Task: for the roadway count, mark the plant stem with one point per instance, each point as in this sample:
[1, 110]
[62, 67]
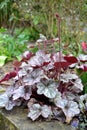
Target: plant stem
[58, 24]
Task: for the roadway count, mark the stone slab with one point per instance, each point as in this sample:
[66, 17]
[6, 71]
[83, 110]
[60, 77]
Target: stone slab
[17, 120]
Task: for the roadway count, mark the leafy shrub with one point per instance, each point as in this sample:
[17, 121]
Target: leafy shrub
[12, 46]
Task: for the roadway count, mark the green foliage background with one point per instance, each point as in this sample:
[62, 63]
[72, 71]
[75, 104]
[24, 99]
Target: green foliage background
[38, 16]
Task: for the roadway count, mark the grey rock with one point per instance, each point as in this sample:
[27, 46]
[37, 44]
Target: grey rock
[17, 120]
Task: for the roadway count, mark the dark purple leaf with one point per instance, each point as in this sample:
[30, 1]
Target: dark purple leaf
[71, 59]
[9, 76]
[60, 65]
[27, 56]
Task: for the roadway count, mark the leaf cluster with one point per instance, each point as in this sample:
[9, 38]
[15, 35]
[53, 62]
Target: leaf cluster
[12, 46]
[48, 84]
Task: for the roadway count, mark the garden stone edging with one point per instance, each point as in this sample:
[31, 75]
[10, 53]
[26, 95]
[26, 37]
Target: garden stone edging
[17, 120]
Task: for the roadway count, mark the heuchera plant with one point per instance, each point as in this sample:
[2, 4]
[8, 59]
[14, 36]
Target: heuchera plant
[49, 86]
[48, 83]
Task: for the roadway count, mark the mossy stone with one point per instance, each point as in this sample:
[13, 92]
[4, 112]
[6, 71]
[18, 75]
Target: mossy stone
[17, 120]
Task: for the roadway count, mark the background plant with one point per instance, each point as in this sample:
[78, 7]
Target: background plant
[12, 46]
[40, 15]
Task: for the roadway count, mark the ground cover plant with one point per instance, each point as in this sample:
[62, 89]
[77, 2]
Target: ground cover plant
[12, 46]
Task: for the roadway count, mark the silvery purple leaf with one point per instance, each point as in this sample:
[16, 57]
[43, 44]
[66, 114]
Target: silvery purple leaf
[69, 95]
[83, 97]
[31, 102]
[18, 93]
[48, 67]
[83, 102]
[22, 73]
[82, 57]
[26, 67]
[86, 105]
[77, 86]
[56, 98]
[67, 77]
[9, 105]
[25, 53]
[82, 67]
[58, 114]
[39, 59]
[17, 102]
[58, 57]
[46, 111]
[3, 99]
[70, 108]
[48, 88]
[24, 70]
[27, 92]
[10, 90]
[72, 65]
[33, 77]
[36, 110]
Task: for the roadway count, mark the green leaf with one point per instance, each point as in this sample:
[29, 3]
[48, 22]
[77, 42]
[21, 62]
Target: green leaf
[2, 90]
[34, 50]
[19, 57]
[3, 30]
[2, 60]
[35, 21]
[84, 79]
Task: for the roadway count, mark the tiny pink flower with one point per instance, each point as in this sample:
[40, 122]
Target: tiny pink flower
[84, 46]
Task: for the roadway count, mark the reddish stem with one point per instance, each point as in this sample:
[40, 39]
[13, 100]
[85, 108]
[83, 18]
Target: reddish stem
[59, 30]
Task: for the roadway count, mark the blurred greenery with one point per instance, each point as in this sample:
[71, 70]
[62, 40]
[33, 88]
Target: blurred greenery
[23, 20]
[83, 76]
[12, 46]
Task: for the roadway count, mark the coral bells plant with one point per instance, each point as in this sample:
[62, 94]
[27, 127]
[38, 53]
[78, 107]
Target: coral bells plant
[49, 87]
[49, 84]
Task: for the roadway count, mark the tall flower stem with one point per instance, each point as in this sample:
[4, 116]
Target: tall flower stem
[59, 42]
